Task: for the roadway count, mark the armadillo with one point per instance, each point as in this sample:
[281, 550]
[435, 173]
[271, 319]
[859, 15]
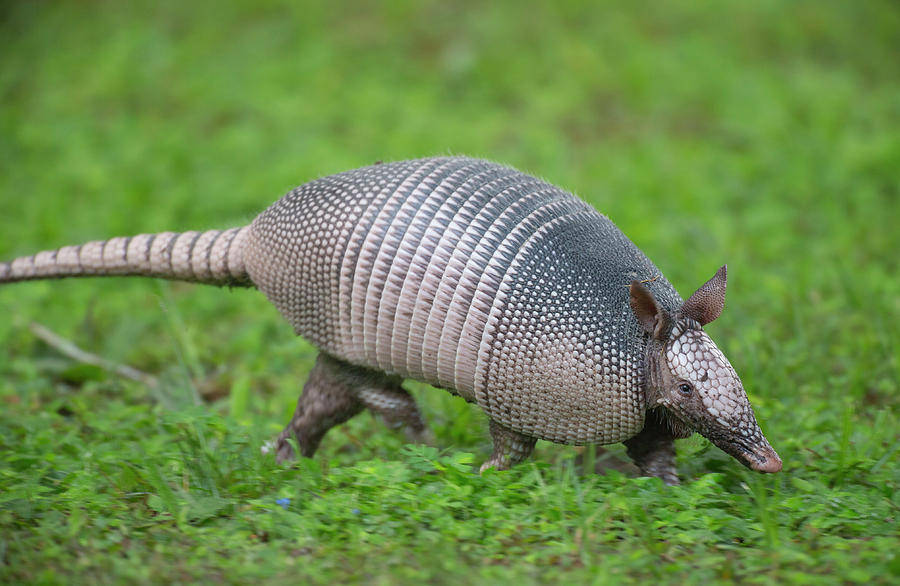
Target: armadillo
[476, 278]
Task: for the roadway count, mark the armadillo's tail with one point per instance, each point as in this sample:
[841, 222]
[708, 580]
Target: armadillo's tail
[215, 257]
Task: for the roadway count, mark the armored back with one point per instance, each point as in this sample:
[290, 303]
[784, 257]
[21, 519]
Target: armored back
[470, 276]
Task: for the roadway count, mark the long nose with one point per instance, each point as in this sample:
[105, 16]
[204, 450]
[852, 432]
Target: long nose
[768, 461]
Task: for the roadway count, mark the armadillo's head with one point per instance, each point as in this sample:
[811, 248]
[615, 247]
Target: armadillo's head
[693, 382]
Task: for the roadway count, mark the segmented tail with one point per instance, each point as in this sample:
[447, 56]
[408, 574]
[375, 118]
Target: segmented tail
[214, 257]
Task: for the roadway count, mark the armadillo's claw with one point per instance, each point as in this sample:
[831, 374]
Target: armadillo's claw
[490, 464]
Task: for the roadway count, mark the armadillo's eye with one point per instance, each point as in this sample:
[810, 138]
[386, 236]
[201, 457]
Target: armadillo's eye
[685, 388]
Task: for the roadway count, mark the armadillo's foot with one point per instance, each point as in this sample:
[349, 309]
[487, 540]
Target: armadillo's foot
[653, 450]
[328, 399]
[510, 447]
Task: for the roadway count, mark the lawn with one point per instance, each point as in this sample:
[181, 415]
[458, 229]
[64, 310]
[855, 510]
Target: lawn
[765, 135]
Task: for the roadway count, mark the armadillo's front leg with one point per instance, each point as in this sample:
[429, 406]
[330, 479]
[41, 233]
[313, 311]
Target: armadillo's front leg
[510, 447]
[653, 450]
[328, 399]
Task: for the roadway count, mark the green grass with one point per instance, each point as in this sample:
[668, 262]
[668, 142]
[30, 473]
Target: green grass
[760, 134]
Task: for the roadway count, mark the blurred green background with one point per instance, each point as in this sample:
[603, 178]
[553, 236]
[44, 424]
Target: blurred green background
[765, 135]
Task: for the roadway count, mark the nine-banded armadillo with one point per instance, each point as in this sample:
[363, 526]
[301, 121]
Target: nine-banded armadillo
[474, 277]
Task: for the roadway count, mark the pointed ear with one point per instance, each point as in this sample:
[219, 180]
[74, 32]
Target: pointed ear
[707, 302]
[654, 319]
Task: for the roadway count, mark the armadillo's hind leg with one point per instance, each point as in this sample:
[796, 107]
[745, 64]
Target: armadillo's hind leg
[510, 447]
[396, 407]
[329, 398]
[335, 392]
[653, 450]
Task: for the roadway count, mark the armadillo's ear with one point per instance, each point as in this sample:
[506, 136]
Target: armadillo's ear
[707, 302]
[654, 319]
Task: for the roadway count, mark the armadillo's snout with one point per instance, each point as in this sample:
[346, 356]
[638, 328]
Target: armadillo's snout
[757, 455]
[766, 461]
